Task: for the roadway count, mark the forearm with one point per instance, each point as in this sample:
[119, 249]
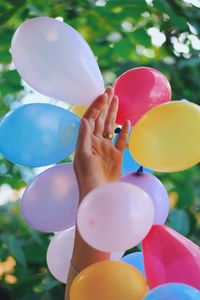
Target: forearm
[83, 256]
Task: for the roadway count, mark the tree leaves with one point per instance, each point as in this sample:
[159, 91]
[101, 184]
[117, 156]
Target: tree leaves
[14, 247]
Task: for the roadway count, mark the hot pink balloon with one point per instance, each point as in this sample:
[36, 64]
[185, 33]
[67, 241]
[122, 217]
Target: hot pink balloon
[50, 202]
[156, 190]
[170, 257]
[139, 90]
[115, 216]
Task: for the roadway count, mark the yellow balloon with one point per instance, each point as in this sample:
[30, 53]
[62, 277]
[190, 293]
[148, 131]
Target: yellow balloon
[167, 138]
[109, 280]
[78, 110]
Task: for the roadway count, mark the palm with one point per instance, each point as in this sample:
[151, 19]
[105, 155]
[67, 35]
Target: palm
[97, 160]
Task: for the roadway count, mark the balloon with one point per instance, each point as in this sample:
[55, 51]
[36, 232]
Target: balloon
[50, 202]
[128, 162]
[108, 280]
[173, 291]
[60, 251]
[55, 60]
[170, 257]
[38, 134]
[78, 110]
[59, 254]
[156, 190]
[136, 260]
[115, 216]
[139, 90]
[167, 138]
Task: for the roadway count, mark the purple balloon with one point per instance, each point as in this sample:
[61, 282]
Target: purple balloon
[50, 202]
[156, 190]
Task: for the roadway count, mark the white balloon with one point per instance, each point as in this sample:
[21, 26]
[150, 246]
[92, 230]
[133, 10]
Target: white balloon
[115, 216]
[59, 254]
[54, 59]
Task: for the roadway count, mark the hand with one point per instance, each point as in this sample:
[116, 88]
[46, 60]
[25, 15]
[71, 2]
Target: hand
[97, 160]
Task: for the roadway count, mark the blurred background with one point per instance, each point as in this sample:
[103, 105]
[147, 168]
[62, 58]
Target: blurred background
[122, 34]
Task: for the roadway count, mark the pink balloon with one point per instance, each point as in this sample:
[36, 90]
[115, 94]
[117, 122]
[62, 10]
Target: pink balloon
[50, 202]
[156, 190]
[115, 216]
[139, 90]
[59, 254]
[170, 257]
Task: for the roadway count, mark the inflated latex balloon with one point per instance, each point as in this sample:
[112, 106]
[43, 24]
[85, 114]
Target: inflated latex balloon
[170, 257]
[136, 260]
[173, 291]
[139, 90]
[50, 202]
[59, 254]
[115, 216]
[156, 190]
[78, 110]
[38, 134]
[54, 59]
[128, 162]
[108, 280]
[167, 138]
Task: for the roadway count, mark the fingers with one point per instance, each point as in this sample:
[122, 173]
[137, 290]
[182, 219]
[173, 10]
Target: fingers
[100, 121]
[121, 141]
[111, 116]
[96, 107]
[84, 139]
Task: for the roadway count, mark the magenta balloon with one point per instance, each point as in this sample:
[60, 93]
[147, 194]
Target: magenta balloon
[139, 90]
[50, 202]
[115, 216]
[156, 190]
[170, 257]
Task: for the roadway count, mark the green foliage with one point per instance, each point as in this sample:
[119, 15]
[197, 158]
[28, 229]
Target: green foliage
[117, 33]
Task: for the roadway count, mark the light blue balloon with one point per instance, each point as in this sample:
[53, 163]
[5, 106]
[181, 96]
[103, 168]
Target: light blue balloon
[38, 134]
[128, 162]
[173, 291]
[136, 260]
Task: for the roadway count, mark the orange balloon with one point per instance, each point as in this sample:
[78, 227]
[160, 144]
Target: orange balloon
[109, 280]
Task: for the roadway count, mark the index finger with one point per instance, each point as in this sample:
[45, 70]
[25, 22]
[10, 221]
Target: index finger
[96, 107]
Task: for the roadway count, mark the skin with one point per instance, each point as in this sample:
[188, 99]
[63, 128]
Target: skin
[97, 161]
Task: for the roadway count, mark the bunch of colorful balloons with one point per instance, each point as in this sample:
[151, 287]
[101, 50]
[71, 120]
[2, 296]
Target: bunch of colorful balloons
[55, 60]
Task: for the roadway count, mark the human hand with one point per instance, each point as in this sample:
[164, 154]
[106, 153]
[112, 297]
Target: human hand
[97, 160]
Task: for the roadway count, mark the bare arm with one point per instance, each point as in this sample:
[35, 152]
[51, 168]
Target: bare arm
[96, 162]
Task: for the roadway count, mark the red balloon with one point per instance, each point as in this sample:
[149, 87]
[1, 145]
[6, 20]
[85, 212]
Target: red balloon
[170, 257]
[139, 90]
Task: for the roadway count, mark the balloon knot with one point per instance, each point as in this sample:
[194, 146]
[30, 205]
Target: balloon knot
[140, 170]
[117, 130]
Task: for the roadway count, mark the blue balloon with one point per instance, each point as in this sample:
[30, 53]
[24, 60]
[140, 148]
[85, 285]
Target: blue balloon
[128, 162]
[136, 260]
[38, 134]
[173, 291]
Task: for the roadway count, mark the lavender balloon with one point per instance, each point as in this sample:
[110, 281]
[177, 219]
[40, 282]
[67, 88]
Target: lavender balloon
[54, 59]
[50, 202]
[156, 190]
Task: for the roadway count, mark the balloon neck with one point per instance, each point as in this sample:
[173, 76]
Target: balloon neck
[140, 171]
[117, 130]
